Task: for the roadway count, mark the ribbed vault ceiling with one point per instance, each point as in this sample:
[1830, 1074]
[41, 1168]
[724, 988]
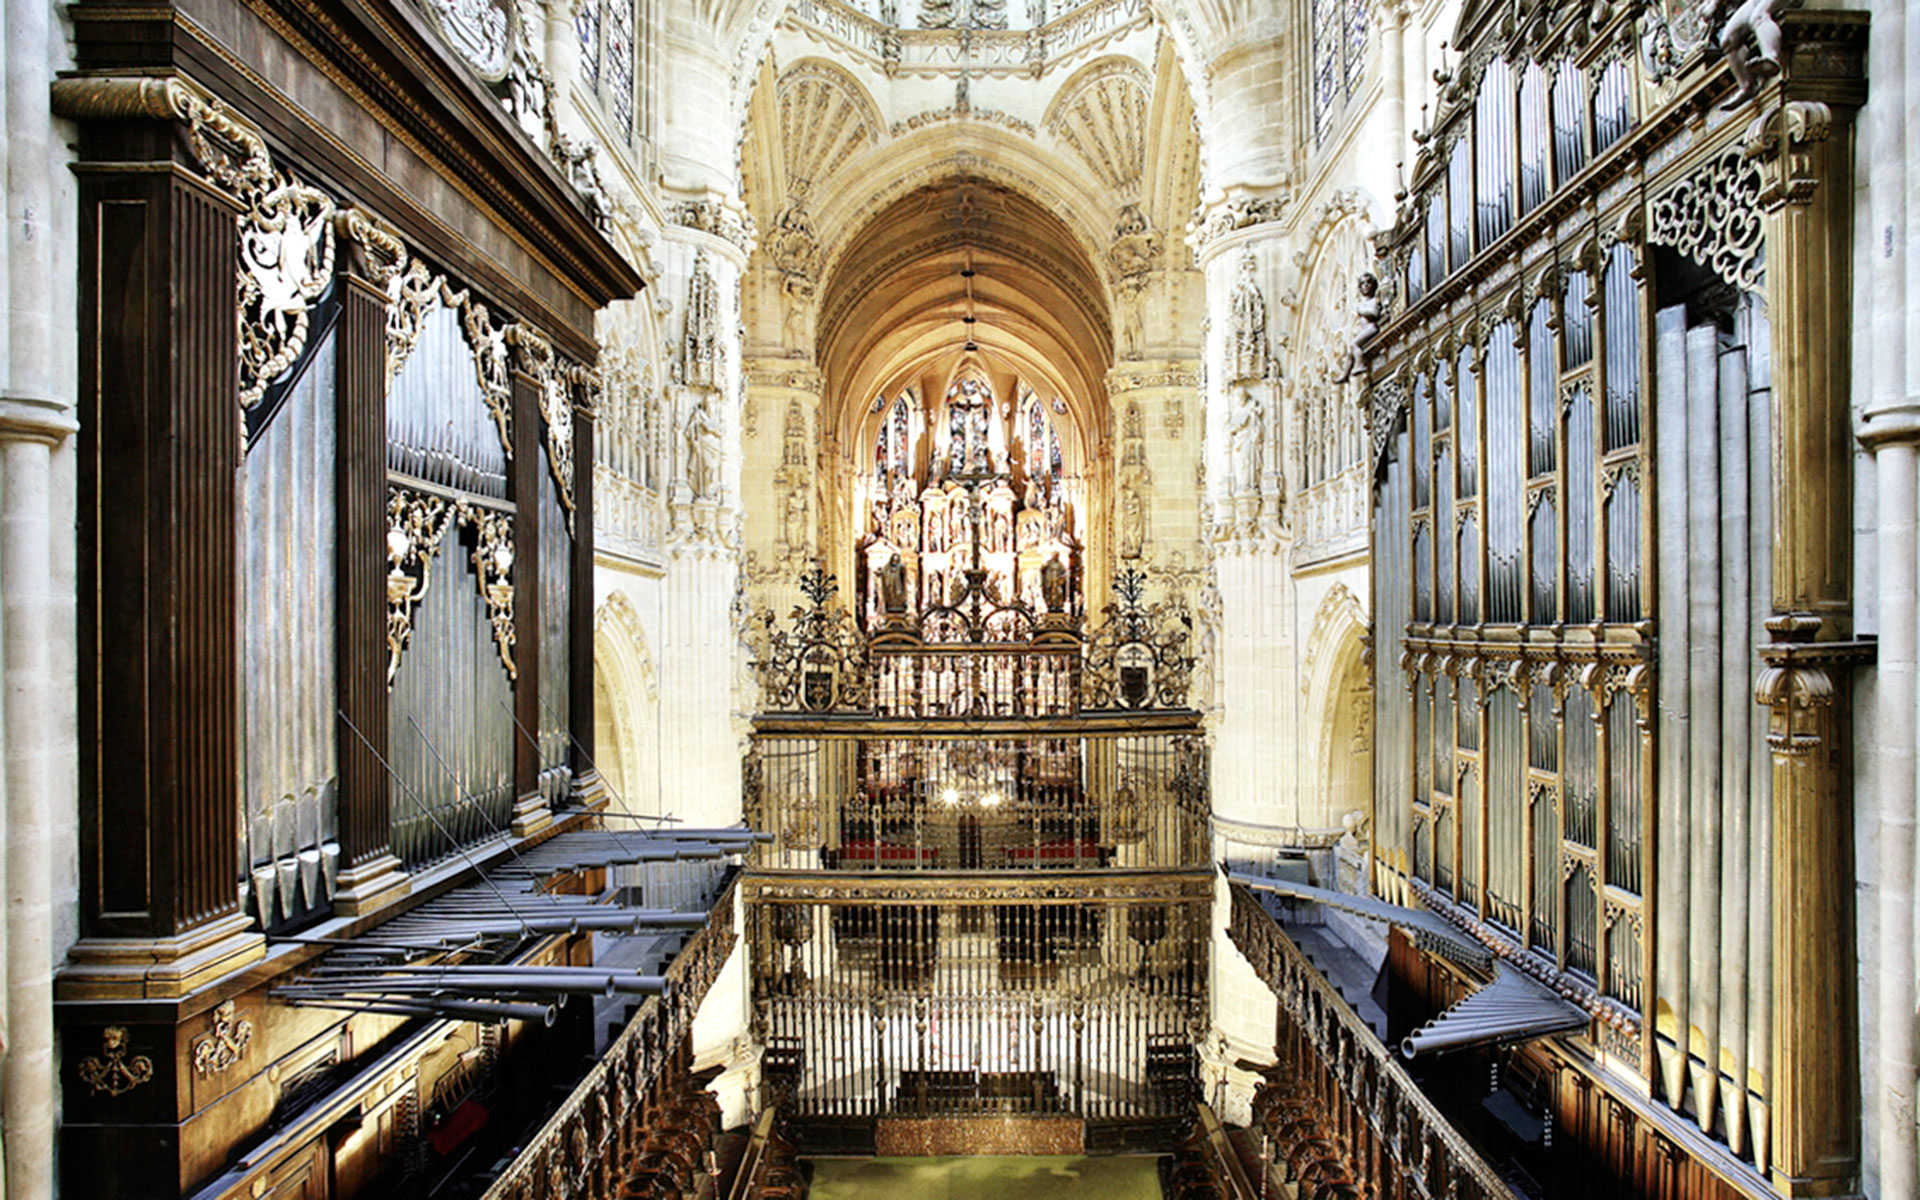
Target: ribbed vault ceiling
[894, 312]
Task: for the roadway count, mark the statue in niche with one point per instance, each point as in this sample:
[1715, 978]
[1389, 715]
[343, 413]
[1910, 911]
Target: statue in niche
[1133, 332]
[1244, 430]
[702, 436]
[1133, 524]
[1247, 351]
[1366, 323]
[893, 587]
[1053, 584]
[795, 530]
[1057, 519]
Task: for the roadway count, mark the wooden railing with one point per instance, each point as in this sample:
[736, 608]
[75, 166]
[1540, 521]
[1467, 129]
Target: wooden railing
[1388, 1135]
[586, 1148]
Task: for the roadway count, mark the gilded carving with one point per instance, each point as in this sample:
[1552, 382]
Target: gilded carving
[1385, 403]
[414, 293]
[488, 341]
[113, 1070]
[1714, 216]
[493, 571]
[286, 261]
[225, 1045]
[415, 524]
[552, 380]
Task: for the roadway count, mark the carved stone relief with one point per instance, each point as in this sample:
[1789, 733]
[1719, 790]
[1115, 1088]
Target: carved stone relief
[701, 354]
[482, 32]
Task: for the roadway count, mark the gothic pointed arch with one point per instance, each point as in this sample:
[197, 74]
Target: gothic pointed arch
[1339, 707]
[627, 702]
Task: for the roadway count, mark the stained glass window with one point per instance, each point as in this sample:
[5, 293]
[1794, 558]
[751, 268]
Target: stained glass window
[586, 21]
[620, 62]
[1043, 442]
[1339, 58]
[890, 444]
[607, 55]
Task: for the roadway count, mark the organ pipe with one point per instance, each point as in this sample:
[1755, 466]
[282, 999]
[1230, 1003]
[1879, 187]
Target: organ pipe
[286, 543]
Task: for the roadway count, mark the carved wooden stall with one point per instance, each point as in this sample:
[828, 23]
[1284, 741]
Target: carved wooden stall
[1337, 1115]
[981, 919]
[337, 379]
[1611, 486]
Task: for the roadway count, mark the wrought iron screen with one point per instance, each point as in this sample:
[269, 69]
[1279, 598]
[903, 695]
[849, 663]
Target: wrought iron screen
[943, 1008]
[923, 802]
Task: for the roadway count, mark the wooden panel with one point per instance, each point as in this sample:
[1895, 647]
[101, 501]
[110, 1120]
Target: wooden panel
[581, 705]
[360, 494]
[159, 445]
[943, 1136]
[529, 459]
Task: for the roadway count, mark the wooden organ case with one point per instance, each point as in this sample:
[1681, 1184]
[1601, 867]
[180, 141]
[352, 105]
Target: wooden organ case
[1611, 458]
[336, 547]
[982, 920]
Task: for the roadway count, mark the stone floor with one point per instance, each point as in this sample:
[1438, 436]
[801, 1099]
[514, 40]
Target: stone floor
[986, 1178]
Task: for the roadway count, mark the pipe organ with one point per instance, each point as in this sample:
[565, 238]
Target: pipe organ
[335, 549]
[1593, 551]
[986, 895]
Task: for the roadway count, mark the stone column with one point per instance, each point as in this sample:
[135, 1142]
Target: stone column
[1244, 507]
[1252, 115]
[29, 429]
[1894, 434]
[1803, 141]
[36, 417]
[1240, 248]
[562, 51]
[700, 655]
[1891, 429]
[1390, 17]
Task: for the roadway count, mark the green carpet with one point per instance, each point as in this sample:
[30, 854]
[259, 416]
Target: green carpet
[985, 1178]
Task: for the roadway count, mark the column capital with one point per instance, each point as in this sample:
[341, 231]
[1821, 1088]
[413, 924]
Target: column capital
[36, 419]
[1894, 425]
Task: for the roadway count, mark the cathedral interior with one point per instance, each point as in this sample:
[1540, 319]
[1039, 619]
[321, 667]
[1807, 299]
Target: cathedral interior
[765, 599]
